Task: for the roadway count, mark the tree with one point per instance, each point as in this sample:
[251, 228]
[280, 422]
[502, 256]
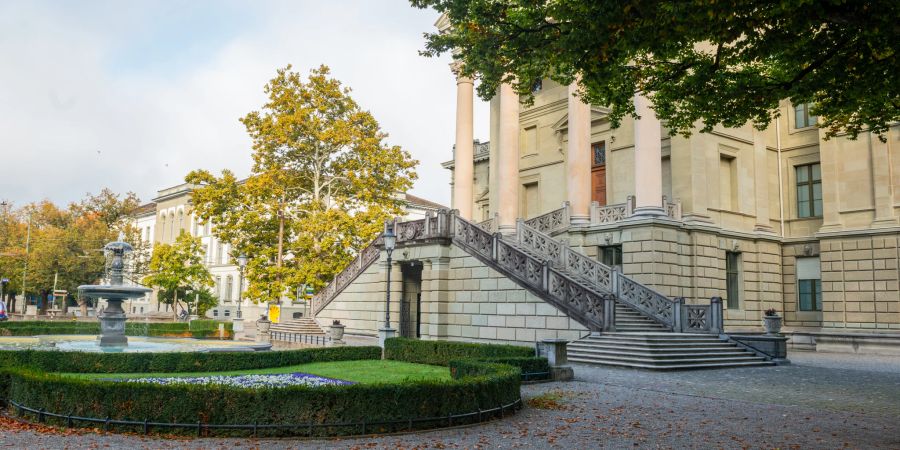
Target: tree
[723, 62]
[108, 208]
[176, 268]
[323, 181]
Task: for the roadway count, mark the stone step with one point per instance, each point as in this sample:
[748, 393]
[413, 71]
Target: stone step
[718, 365]
[652, 351]
[684, 353]
[652, 347]
[698, 358]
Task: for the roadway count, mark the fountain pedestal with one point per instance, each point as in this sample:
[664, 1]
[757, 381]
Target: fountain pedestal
[112, 325]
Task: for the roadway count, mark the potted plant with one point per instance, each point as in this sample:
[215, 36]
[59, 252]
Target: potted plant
[337, 330]
[772, 321]
[263, 324]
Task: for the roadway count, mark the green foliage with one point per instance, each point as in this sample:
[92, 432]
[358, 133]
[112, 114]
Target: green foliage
[440, 353]
[479, 386]
[720, 62]
[206, 329]
[178, 268]
[54, 361]
[323, 179]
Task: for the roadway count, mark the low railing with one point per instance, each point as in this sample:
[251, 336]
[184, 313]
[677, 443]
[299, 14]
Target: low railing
[701, 318]
[553, 221]
[591, 308]
[489, 225]
[602, 214]
[300, 338]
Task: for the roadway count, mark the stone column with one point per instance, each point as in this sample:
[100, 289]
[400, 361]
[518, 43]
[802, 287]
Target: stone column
[463, 164]
[647, 161]
[881, 182]
[761, 181]
[508, 160]
[578, 160]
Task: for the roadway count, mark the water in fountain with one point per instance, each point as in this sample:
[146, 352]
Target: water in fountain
[112, 320]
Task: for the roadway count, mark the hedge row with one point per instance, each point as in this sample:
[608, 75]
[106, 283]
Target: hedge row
[197, 328]
[78, 362]
[475, 386]
[440, 353]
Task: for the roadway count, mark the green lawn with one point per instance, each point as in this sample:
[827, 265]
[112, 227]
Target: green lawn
[365, 371]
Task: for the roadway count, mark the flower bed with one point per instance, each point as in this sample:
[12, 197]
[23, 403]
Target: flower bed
[256, 381]
[196, 329]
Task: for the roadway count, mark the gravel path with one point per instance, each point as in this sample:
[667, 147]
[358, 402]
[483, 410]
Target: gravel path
[805, 405]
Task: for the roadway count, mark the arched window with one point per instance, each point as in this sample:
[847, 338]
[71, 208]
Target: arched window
[162, 227]
[172, 234]
[218, 293]
[229, 284]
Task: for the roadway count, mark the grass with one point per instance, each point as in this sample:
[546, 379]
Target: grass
[365, 371]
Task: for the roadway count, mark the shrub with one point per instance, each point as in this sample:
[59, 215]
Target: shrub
[440, 353]
[55, 361]
[475, 387]
[204, 329]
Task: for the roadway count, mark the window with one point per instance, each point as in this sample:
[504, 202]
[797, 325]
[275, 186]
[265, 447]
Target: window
[215, 313]
[537, 86]
[204, 252]
[728, 190]
[809, 284]
[598, 151]
[532, 199]
[218, 292]
[809, 190]
[732, 280]
[611, 255]
[531, 141]
[802, 119]
[227, 312]
[229, 284]
[220, 254]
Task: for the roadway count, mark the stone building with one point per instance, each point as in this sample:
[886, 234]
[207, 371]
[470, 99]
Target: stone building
[780, 218]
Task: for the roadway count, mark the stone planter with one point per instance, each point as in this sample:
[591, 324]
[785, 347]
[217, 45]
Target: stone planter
[772, 324]
[337, 332]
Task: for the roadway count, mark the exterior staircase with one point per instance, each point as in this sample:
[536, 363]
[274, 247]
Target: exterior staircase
[662, 351]
[632, 325]
[303, 325]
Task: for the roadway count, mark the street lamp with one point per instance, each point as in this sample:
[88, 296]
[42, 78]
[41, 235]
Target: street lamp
[242, 262]
[390, 240]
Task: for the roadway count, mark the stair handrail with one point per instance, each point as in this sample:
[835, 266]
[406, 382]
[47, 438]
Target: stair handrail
[556, 220]
[573, 297]
[603, 278]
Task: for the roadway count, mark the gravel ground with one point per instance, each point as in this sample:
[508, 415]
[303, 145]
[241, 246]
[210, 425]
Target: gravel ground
[805, 405]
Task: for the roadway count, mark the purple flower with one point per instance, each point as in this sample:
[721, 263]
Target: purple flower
[245, 381]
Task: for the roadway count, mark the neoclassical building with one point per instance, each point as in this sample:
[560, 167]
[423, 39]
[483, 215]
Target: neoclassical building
[666, 225]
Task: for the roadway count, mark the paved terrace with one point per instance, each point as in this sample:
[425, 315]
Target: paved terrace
[822, 401]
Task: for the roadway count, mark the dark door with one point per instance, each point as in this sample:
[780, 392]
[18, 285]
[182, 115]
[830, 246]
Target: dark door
[598, 172]
[411, 300]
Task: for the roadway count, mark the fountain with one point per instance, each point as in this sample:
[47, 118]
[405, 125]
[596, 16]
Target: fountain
[112, 319]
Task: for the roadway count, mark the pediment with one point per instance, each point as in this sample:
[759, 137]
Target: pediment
[443, 23]
[598, 114]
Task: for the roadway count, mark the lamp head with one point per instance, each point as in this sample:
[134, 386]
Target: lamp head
[390, 240]
[242, 260]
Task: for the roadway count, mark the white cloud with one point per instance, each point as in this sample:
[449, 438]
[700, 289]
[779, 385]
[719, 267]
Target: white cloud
[74, 82]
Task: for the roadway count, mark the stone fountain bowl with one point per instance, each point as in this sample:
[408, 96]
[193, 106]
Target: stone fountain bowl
[110, 292]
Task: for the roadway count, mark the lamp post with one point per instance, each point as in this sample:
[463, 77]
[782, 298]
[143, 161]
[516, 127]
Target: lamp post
[242, 262]
[390, 241]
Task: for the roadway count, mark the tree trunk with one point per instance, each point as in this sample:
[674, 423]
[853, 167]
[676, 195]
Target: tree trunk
[174, 305]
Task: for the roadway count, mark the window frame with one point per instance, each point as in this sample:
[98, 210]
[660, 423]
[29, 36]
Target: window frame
[733, 271]
[808, 119]
[810, 183]
[615, 250]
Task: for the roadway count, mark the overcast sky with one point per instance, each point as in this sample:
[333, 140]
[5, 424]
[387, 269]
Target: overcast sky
[133, 95]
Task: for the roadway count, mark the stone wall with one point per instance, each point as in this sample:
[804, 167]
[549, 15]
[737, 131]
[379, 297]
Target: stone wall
[860, 282]
[462, 299]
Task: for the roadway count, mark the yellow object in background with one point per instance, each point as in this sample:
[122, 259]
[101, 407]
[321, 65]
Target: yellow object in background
[274, 313]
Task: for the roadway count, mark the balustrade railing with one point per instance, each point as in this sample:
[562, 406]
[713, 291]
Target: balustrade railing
[555, 220]
[602, 214]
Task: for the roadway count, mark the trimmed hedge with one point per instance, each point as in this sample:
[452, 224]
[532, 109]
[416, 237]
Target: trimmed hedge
[78, 362]
[476, 386]
[440, 353]
[196, 329]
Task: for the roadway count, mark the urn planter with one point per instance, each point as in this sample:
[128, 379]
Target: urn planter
[337, 332]
[772, 324]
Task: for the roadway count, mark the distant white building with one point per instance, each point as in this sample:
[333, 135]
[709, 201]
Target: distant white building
[170, 213]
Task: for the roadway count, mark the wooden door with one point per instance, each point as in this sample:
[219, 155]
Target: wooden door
[598, 172]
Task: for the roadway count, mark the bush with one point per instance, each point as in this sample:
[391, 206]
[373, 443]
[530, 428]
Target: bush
[476, 386]
[204, 329]
[77, 362]
[440, 353]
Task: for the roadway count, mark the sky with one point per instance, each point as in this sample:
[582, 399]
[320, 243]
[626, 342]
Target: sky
[133, 95]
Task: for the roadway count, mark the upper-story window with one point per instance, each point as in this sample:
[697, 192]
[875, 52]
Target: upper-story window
[220, 254]
[802, 118]
[809, 190]
[537, 86]
[599, 153]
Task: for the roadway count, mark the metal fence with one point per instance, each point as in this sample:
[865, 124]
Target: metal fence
[301, 429]
[299, 338]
